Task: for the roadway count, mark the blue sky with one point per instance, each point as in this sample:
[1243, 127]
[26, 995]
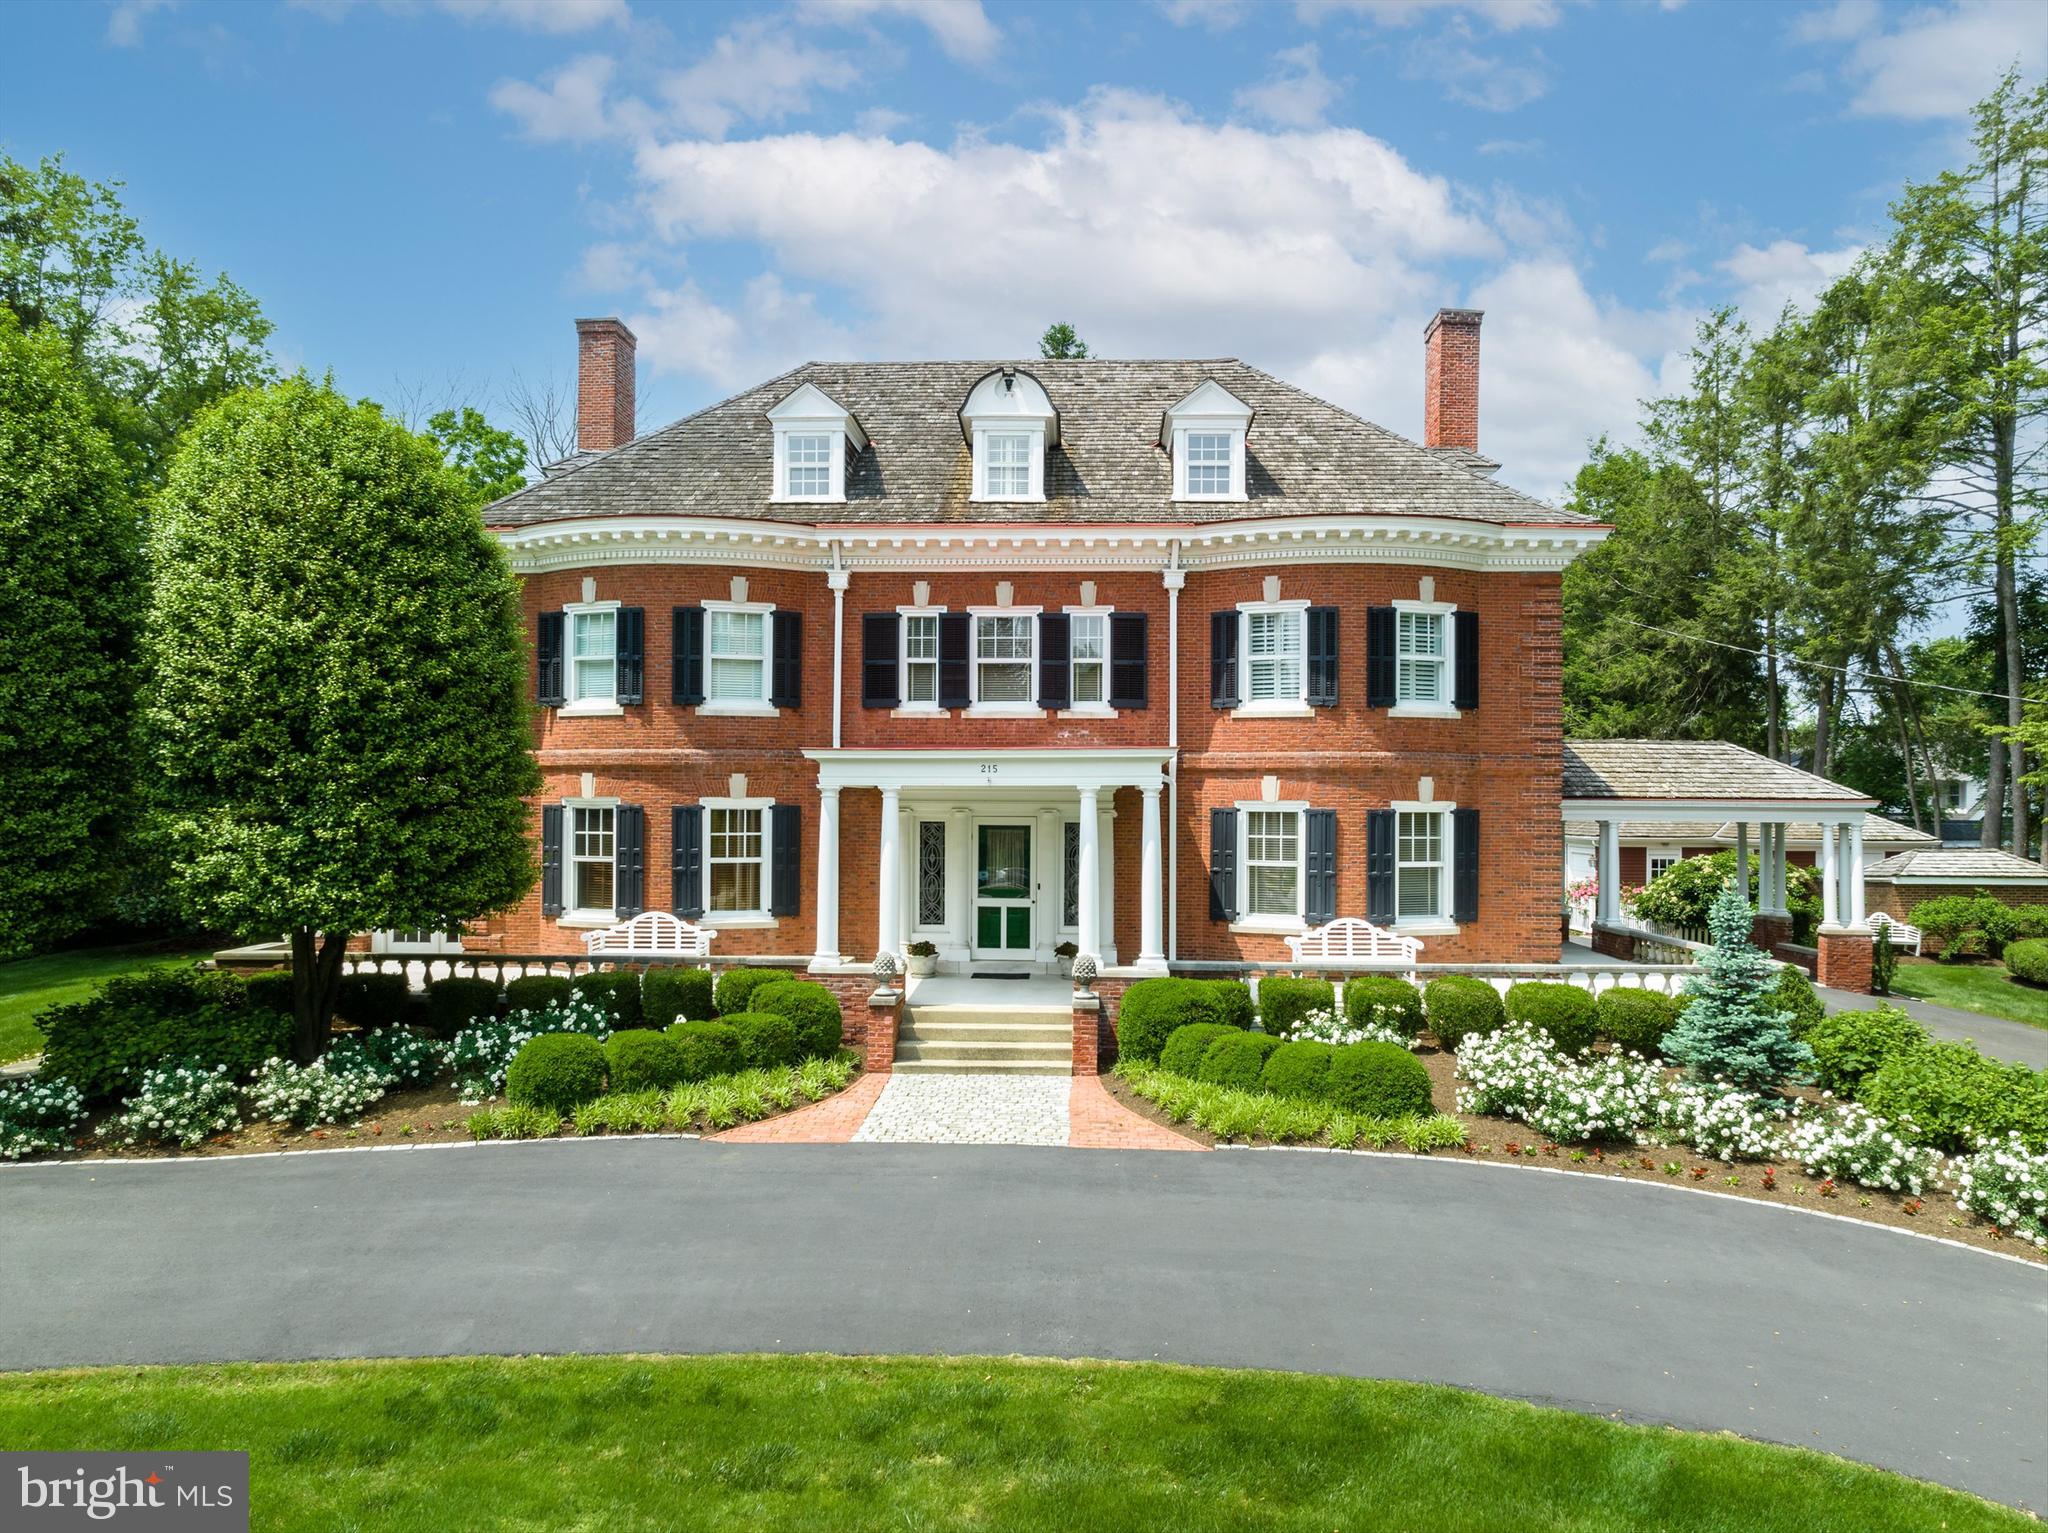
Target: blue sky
[424, 194]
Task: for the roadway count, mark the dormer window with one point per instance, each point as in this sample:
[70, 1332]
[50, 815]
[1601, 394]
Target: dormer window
[1009, 424]
[1209, 463]
[815, 438]
[1204, 436]
[1006, 469]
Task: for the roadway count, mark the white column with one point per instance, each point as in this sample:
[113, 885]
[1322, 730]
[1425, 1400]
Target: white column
[1764, 833]
[1852, 874]
[1105, 882]
[828, 876]
[889, 877]
[1607, 871]
[1742, 858]
[1830, 875]
[837, 580]
[960, 858]
[1151, 943]
[1777, 868]
[907, 892]
[1087, 935]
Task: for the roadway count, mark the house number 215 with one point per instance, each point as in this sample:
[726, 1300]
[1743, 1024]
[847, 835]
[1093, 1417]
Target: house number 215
[988, 769]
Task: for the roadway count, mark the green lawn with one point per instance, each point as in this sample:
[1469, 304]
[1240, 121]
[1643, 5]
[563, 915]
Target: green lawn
[27, 985]
[814, 1442]
[1973, 987]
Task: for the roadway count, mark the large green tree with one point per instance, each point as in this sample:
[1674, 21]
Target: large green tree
[338, 709]
[69, 607]
[490, 460]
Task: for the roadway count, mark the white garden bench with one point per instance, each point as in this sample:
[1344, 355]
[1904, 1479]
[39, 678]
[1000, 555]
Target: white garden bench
[1351, 943]
[651, 934]
[1902, 934]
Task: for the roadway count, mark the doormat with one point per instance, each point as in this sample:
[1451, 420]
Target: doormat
[977, 974]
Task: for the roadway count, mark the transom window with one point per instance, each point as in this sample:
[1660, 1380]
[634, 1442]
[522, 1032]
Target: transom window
[1273, 656]
[735, 861]
[593, 656]
[1006, 465]
[1002, 659]
[1419, 863]
[1090, 657]
[736, 658]
[1272, 859]
[921, 658]
[1421, 658]
[591, 848]
[807, 464]
[1208, 465]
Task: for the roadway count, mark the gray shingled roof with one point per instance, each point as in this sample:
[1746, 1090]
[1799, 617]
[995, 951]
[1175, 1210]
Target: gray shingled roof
[1877, 831]
[1962, 865]
[1304, 457]
[1688, 769]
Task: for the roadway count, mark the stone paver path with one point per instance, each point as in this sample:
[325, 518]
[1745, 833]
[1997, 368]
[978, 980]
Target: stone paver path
[969, 1109]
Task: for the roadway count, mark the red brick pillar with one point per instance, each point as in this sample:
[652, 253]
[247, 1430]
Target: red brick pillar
[1768, 931]
[1087, 1033]
[883, 1006]
[1613, 944]
[1844, 960]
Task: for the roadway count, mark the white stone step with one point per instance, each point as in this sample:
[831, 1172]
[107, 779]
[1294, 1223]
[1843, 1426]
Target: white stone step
[984, 1066]
[1005, 1048]
[971, 1029]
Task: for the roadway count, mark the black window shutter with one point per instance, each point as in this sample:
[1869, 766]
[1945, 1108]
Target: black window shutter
[687, 856]
[1379, 657]
[880, 683]
[1464, 865]
[1223, 863]
[547, 649]
[785, 851]
[629, 861]
[689, 656]
[1380, 908]
[1322, 657]
[1319, 901]
[1465, 640]
[786, 686]
[1129, 660]
[632, 654]
[551, 859]
[1055, 652]
[955, 635]
[1223, 659]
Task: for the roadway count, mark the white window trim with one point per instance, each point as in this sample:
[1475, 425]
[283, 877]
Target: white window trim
[1246, 922]
[742, 707]
[1445, 709]
[1101, 710]
[577, 915]
[740, 920]
[596, 707]
[1034, 455]
[976, 708]
[908, 709]
[835, 459]
[1231, 427]
[1441, 924]
[1675, 853]
[1280, 707]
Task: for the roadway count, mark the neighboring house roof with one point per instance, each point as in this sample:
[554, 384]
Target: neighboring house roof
[1304, 457]
[1877, 831]
[1689, 770]
[1958, 865]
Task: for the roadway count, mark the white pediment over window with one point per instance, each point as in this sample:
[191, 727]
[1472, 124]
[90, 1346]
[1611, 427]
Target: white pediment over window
[1204, 436]
[815, 435]
[1008, 423]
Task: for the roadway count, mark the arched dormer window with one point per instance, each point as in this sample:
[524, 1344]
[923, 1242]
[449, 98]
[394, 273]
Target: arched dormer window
[1204, 438]
[1008, 424]
[815, 435]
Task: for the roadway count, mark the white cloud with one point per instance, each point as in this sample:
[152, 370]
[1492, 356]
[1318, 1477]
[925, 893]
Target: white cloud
[878, 121]
[1295, 94]
[1784, 271]
[681, 331]
[124, 22]
[611, 267]
[960, 27]
[1515, 146]
[1216, 15]
[555, 17]
[1937, 61]
[570, 107]
[757, 71]
[1488, 81]
[1502, 15]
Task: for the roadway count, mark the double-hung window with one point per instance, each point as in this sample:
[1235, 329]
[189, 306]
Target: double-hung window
[591, 848]
[1003, 654]
[1209, 455]
[1272, 860]
[1006, 465]
[593, 655]
[1273, 656]
[921, 659]
[807, 465]
[1662, 859]
[736, 656]
[1421, 658]
[1090, 648]
[1420, 865]
[736, 861]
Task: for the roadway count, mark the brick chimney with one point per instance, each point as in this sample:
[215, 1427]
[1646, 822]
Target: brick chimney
[604, 384]
[1450, 379]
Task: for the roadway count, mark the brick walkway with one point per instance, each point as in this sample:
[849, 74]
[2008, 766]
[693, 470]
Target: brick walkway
[1098, 1121]
[831, 1121]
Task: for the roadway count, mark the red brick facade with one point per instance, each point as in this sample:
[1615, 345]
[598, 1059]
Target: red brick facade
[1897, 900]
[1450, 380]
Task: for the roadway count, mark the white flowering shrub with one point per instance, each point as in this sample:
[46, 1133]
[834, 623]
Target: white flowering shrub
[405, 1059]
[1851, 1143]
[2007, 1183]
[1520, 1073]
[483, 1054]
[38, 1115]
[1722, 1121]
[181, 1104]
[335, 1089]
[1324, 1026]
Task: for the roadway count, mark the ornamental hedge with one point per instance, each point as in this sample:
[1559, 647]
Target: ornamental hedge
[708, 1049]
[1458, 1007]
[537, 992]
[1954, 1096]
[1792, 993]
[1284, 1001]
[460, 1001]
[1851, 1046]
[1567, 1013]
[557, 1072]
[1299, 1070]
[1378, 1080]
[1965, 925]
[371, 1001]
[1184, 1050]
[811, 1006]
[1237, 1059]
[1152, 1009]
[134, 1022]
[735, 988]
[616, 990]
[676, 994]
[1385, 1000]
[1634, 1020]
[2028, 960]
[767, 1039]
[641, 1059]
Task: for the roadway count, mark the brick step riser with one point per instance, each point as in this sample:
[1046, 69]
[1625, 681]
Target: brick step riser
[1020, 1053]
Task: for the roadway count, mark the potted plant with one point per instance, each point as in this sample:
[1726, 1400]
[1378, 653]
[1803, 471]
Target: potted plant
[924, 958]
[1065, 953]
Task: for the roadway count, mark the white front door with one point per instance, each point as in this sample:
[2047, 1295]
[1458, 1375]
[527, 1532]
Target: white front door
[1003, 889]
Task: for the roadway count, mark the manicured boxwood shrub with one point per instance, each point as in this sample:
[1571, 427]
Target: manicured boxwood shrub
[557, 1072]
[616, 990]
[766, 1039]
[133, 1022]
[811, 1006]
[676, 994]
[1383, 999]
[641, 1059]
[1458, 1007]
[1298, 1070]
[1233, 1001]
[1284, 1001]
[1237, 1059]
[271, 988]
[1850, 1046]
[1566, 1012]
[1378, 1080]
[1152, 1009]
[1184, 1050]
[1954, 1096]
[735, 988]
[372, 1000]
[2028, 959]
[708, 1049]
[536, 992]
[460, 1001]
[2018, 923]
[1793, 993]
[1634, 1020]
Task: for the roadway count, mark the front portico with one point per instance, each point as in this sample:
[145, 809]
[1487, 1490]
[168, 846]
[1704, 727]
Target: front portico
[996, 857]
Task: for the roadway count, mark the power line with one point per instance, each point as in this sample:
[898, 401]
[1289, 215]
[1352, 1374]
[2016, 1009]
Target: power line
[1815, 665]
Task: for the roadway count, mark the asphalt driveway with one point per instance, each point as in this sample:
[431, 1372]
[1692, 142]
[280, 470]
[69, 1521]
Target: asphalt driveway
[1639, 1301]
